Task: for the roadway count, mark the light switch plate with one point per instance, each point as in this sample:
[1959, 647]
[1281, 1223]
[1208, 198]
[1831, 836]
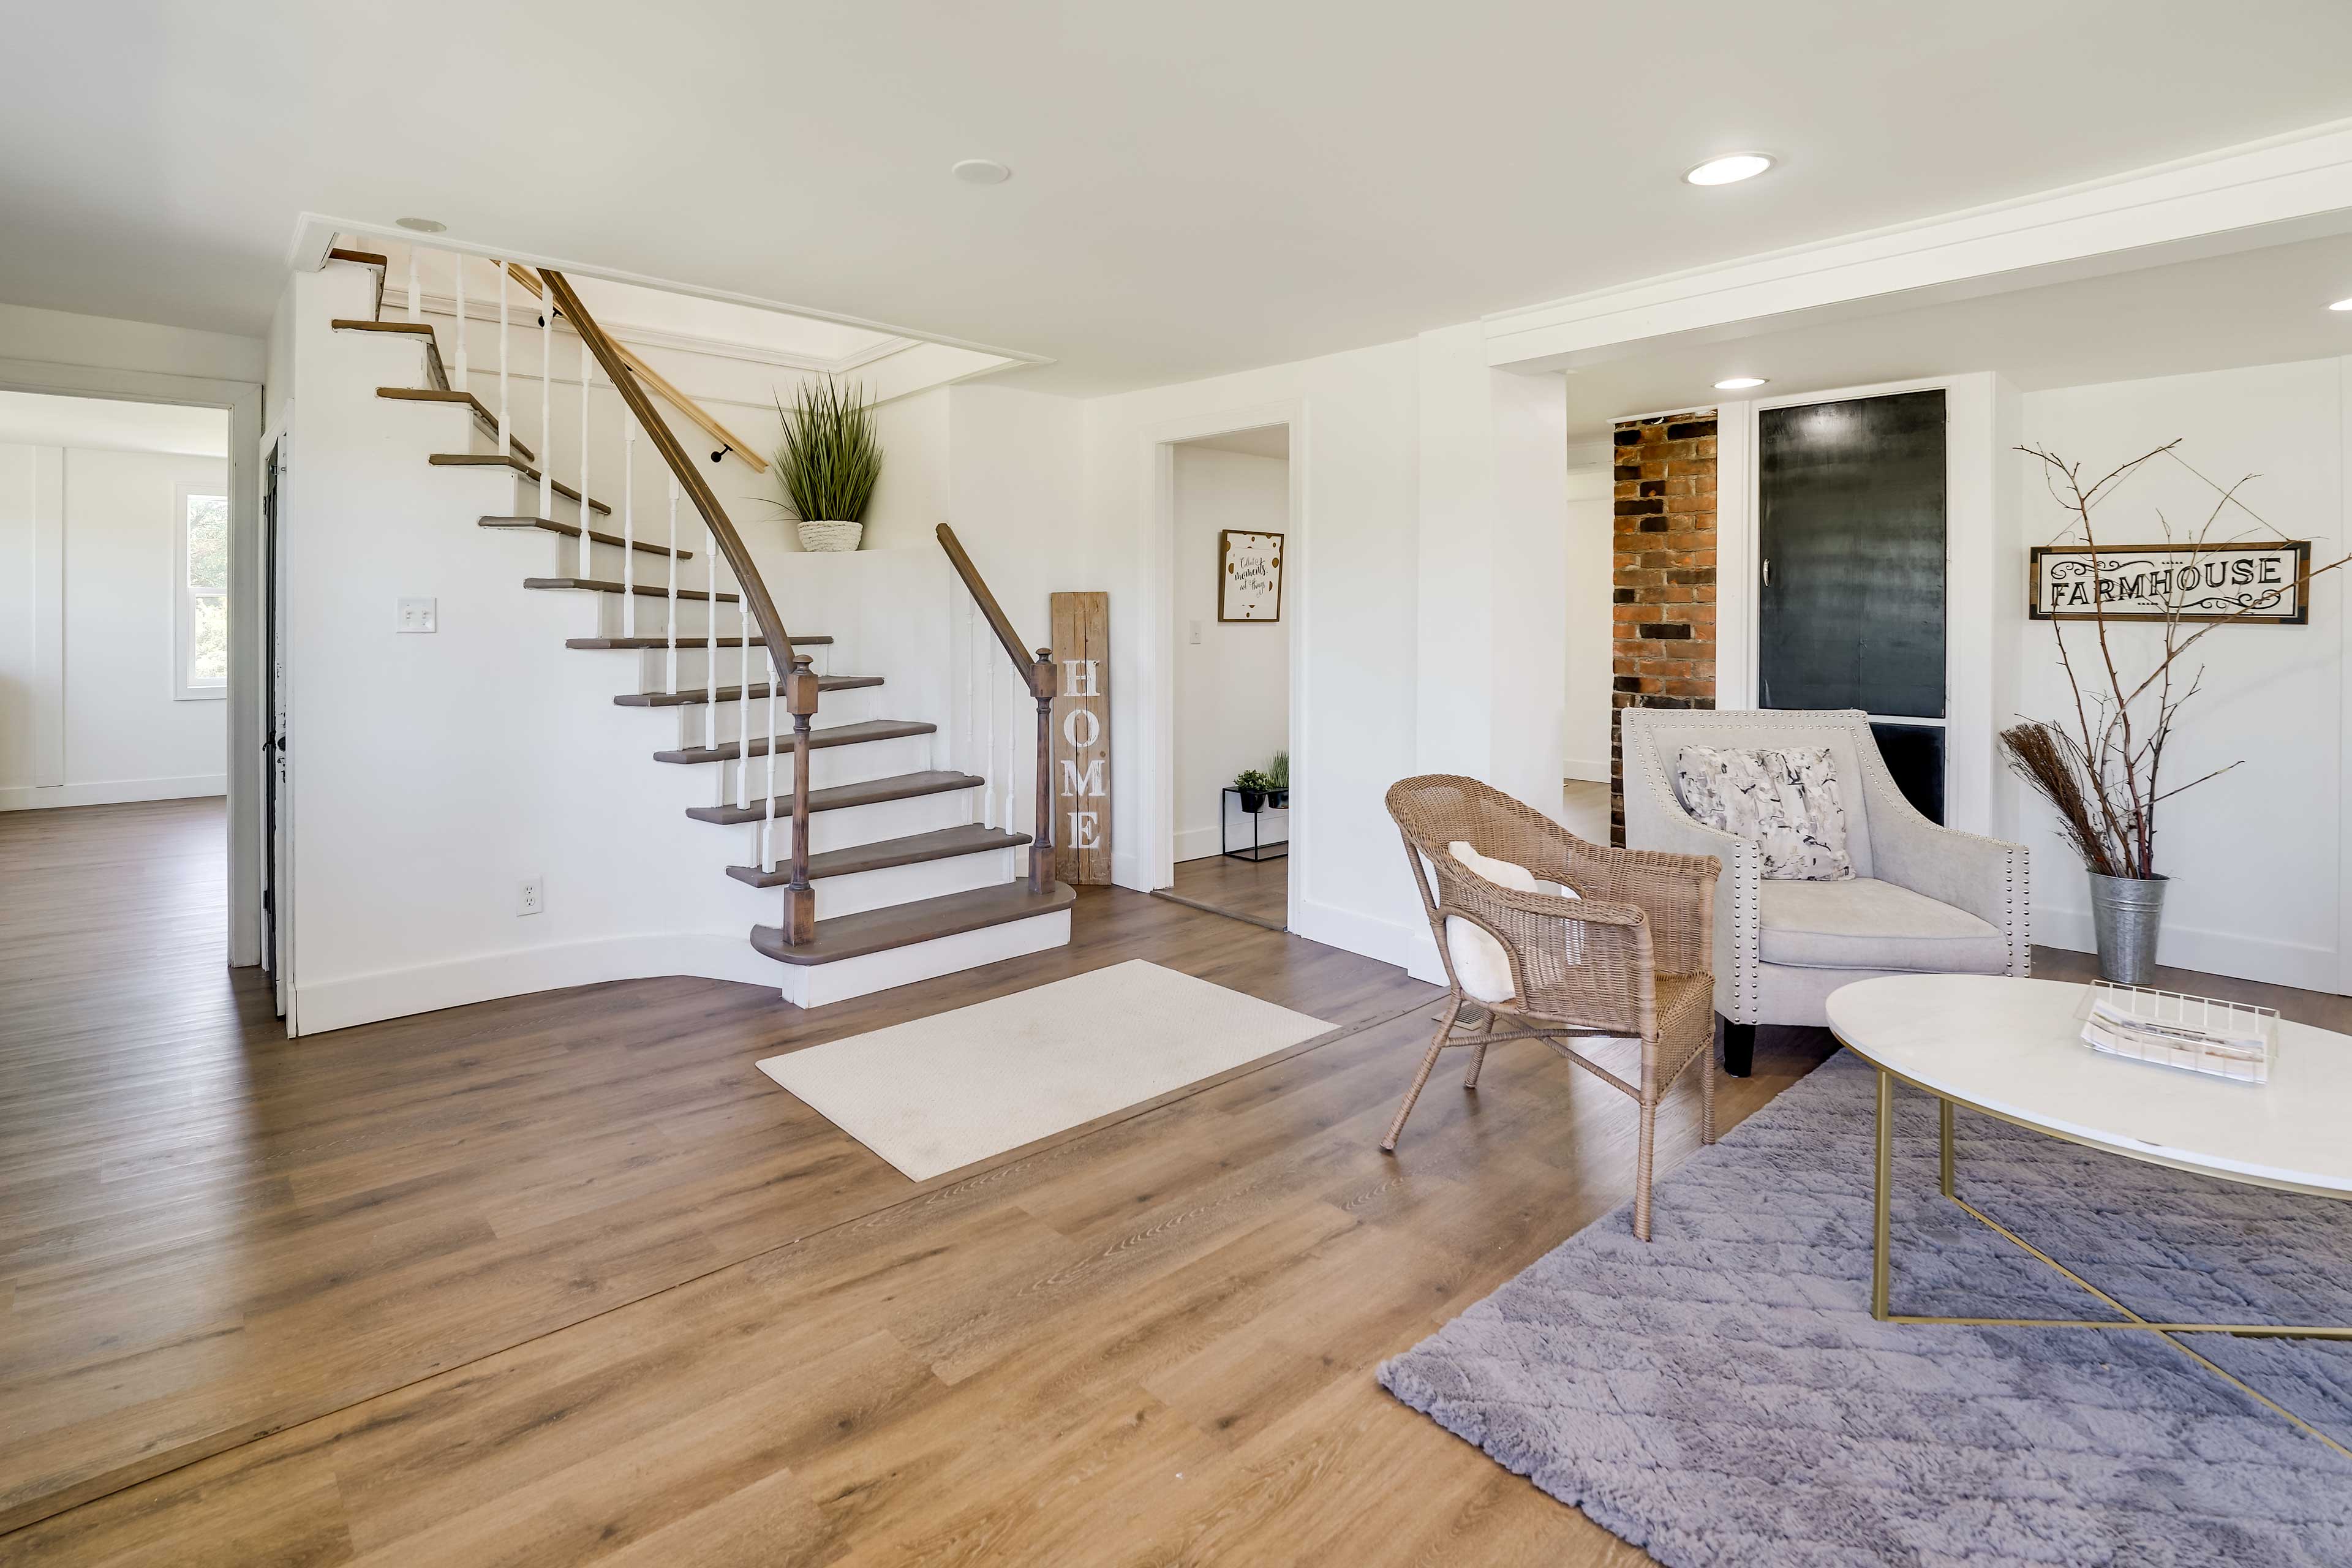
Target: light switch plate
[419, 615]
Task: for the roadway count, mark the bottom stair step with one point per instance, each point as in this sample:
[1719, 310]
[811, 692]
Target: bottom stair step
[903, 925]
[946, 844]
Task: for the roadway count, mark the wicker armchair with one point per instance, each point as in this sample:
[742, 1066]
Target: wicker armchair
[1632, 956]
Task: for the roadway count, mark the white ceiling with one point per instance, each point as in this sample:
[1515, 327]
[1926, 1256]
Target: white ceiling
[1264, 441]
[1195, 190]
[2255, 307]
[37, 420]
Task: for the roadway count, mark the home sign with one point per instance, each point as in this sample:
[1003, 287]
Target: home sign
[2266, 582]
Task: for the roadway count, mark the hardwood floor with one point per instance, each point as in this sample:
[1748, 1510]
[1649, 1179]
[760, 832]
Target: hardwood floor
[1257, 891]
[564, 1280]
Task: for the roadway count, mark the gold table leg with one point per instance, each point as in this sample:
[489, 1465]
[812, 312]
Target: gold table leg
[1881, 1271]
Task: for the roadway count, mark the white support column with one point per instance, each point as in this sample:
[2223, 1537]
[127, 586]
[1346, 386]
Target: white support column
[506, 427]
[587, 380]
[546, 413]
[458, 261]
[628, 523]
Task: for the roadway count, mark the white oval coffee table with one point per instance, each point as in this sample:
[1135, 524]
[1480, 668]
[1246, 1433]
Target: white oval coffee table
[2011, 1048]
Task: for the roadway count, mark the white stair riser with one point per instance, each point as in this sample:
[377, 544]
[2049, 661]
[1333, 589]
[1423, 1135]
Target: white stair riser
[818, 985]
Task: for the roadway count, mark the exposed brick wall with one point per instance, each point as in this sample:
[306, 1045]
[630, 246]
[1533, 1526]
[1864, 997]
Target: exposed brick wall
[1664, 586]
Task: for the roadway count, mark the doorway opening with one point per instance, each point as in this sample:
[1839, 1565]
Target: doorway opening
[1231, 822]
[116, 593]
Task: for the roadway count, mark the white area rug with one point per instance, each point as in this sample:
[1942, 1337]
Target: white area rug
[941, 1092]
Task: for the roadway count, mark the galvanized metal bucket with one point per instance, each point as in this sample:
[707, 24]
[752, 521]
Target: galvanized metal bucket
[2125, 914]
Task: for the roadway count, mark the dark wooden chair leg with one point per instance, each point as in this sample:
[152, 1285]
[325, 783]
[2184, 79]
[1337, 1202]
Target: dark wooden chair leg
[1738, 1048]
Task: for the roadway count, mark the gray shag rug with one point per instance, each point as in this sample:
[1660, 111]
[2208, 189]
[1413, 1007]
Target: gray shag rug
[1723, 1396]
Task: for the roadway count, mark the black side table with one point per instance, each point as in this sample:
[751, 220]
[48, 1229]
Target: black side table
[1258, 850]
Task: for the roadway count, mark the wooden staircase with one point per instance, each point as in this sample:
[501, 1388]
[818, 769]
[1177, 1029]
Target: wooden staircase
[648, 573]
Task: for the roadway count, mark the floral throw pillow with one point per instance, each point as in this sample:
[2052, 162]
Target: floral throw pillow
[1786, 801]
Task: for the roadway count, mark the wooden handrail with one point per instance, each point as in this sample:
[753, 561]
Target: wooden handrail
[1044, 685]
[659, 382]
[799, 900]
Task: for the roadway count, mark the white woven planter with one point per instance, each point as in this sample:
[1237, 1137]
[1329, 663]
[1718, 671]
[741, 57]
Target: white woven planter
[831, 536]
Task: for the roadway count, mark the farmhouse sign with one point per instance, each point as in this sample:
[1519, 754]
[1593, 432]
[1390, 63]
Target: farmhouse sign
[1082, 738]
[2265, 582]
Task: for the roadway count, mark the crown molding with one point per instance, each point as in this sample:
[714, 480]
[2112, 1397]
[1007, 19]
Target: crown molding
[2297, 186]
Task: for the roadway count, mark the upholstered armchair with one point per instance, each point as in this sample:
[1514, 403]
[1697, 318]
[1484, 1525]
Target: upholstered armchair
[1923, 898]
[1616, 950]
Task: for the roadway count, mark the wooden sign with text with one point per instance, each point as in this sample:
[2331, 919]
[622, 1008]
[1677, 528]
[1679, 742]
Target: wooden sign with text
[2260, 582]
[1082, 738]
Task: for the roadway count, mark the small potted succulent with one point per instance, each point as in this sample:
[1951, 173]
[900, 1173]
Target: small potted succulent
[1277, 781]
[828, 462]
[1252, 785]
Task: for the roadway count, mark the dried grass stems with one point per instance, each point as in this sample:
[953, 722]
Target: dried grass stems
[2103, 773]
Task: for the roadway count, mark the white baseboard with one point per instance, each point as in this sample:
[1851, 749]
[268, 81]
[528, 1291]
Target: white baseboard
[1374, 938]
[324, 1004]
[1201, 843]
[1585, 771]
[111, 792]
[2232, 953]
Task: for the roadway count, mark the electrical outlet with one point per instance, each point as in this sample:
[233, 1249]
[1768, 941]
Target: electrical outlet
[1196, 631]
[531, 897]
[419, 615]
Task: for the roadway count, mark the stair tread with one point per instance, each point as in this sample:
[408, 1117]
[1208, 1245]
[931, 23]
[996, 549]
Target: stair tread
[496, 460]
[903, 925]
[735, 693]
[836, 735]
[912, 850]
[434, 370]
[482, 415]
[839, 797]
[602, 586]
[572, 531]
[659, 645]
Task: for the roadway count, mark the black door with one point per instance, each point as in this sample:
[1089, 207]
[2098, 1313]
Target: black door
[1852, 596]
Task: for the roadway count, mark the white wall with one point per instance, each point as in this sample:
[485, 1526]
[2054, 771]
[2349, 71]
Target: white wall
[2256, 856]
[1232, 687]
[1585, 604]
[87, 553]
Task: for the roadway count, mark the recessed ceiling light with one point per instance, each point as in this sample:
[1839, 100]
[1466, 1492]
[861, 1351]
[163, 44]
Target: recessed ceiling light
[1729, 169]
[421, 225]
[1738, 383]
[981, 172]
[2341, 305]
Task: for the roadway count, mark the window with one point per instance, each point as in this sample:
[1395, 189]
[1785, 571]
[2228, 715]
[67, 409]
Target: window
[201, 617]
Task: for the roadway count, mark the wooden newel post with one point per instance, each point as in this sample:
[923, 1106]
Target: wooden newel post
[800, 898]
[1045, 683]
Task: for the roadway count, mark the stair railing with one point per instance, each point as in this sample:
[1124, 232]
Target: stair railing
[1038, 674]
[755, 605]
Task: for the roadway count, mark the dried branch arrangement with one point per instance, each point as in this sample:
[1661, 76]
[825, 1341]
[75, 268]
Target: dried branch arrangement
[2102, 771]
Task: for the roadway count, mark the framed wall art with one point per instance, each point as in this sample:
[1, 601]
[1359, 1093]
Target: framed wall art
[1249, 575]
[2260, 582]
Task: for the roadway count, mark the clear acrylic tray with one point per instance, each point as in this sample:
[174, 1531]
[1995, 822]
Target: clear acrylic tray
[2234, 1040]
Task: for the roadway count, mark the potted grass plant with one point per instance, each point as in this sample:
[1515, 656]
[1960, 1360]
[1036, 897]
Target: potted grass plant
[1277, 781]
[828, 462]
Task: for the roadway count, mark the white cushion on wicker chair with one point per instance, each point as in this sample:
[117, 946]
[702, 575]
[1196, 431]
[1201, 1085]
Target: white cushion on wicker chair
[1479, 960]
[1864, 923]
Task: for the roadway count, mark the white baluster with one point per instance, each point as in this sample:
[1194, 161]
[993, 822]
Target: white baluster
[546, 416]
[587, 379]
[416, 300]
[458, 261]
[506, 429]
[742, 687]
[988, 792]
[671, 684]
[628, 524]
[710, 638]
[970, 697]
[768, 841]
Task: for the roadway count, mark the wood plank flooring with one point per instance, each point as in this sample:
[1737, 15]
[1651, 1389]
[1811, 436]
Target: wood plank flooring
[1252, 891]
[564, 1280]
